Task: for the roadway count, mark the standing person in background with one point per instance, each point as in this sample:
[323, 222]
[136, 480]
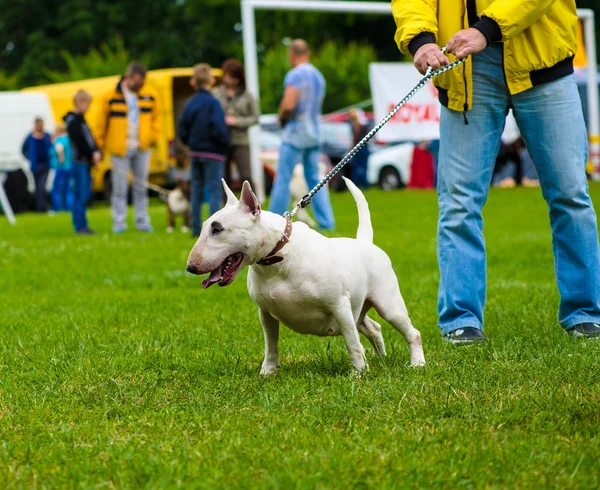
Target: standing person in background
[36, 148]
[300, 117]
[85, 154]
[360, 161]
[203, 129]
[60, 161]
[241, 112]
[128, 124]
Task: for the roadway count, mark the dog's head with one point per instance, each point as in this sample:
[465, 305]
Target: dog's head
[230, 240]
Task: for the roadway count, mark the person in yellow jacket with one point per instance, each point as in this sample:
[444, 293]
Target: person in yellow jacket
[520, 56]
[128, 124]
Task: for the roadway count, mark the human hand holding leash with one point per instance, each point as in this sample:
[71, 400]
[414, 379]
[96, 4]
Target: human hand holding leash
[466, 42]
[429, 55]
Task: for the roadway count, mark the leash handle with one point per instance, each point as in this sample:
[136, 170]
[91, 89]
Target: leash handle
[429, 75]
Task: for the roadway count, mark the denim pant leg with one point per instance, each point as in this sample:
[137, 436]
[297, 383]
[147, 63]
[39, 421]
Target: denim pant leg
[41, 177]
[214, 173]
[59, 190]
[289, 157]
[551, 121]
[466, 163]
[320, 202]
[120, 185]
[140, 166]
[197, 174]
[81, 194]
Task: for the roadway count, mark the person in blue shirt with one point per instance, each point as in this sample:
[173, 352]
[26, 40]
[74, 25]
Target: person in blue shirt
[60, 162]
[300, 117]
[36, 148]
[203, 129]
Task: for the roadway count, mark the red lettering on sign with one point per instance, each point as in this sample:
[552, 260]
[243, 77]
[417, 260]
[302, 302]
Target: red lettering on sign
[416, 113]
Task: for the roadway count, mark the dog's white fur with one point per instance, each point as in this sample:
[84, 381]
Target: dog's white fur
[324, 286]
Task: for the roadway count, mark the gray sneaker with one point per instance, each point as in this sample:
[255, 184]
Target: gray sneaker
[465, 336]
[585, 330]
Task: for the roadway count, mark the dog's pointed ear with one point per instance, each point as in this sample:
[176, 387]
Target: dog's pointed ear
[231, 199]
[248, 201]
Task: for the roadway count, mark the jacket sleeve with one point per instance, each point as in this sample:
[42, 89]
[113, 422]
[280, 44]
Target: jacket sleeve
[251, 119]
[81, 138]
[156, 121]
[25, 147]
[514, 16]
[219, 131]
[102, 122]
[414, 18]
[183, 125]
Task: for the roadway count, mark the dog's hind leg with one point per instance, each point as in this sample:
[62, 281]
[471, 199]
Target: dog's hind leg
[372, 330]
[345, 319]
[271, 330]
[388, 302]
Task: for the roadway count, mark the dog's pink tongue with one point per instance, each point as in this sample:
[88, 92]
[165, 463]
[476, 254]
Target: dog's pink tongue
[212, 279]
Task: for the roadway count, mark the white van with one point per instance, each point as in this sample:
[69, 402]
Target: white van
[17, 113]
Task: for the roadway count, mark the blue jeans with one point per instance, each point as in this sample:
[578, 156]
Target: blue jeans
[82, 188]
[289, 157]
[61, 190]
[359, 168]
[551, 122]
[205, 172]
[40, 177]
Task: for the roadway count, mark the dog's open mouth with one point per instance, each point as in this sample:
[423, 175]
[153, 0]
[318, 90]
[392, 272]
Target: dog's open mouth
[226, 272]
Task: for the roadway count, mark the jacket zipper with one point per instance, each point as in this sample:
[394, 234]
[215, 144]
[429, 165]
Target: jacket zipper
[468, 6]
[466, 104]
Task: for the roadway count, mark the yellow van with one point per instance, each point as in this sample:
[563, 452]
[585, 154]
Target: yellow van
[173, 89]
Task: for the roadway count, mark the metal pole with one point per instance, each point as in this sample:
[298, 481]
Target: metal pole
[251, 67]
[4, 203]
[589, 35]
[324, 6]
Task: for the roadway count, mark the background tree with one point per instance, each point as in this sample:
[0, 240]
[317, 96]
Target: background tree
[42, 41]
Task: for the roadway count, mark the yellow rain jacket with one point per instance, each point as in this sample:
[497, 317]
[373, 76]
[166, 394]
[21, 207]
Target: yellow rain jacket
[112, 123]
[539, 39]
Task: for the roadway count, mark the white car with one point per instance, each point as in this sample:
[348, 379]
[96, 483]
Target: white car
[389, 168]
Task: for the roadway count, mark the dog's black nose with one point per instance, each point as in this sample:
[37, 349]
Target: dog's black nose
[192, 269]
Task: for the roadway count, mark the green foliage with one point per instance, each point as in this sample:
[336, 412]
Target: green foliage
[108, 60]
[345, 68]
[118, 371]
[8, 82]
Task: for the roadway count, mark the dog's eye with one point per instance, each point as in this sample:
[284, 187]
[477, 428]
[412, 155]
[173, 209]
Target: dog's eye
[216, 228]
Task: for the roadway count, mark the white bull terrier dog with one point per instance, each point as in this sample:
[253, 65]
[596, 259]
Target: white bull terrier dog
[298, 277]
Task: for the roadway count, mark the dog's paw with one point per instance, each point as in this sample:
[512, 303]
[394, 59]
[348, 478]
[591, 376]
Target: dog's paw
[267, 369]
[418, 363]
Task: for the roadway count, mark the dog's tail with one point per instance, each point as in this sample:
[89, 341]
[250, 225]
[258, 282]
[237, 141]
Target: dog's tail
[365, 228]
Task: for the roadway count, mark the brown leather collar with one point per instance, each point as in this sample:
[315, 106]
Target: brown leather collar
[271, 258]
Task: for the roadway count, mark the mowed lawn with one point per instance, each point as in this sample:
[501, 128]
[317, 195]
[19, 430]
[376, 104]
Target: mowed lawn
[118, 371]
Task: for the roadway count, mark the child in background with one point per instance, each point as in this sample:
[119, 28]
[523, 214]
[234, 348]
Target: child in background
[85, 154]
[60, 161]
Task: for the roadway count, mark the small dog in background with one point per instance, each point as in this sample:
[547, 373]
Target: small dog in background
[178, 204]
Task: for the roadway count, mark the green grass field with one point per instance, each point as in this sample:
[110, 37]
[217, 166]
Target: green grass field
[118, 371]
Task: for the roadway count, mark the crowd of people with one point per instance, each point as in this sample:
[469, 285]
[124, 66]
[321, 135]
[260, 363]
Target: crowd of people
[213, 125]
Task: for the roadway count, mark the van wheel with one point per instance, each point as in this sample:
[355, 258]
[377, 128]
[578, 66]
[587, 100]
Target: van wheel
[389, 179]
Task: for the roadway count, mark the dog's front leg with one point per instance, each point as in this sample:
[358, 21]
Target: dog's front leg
[271, 330]
[345, 319]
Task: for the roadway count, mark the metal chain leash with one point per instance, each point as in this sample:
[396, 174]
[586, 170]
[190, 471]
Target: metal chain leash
[429, 75]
